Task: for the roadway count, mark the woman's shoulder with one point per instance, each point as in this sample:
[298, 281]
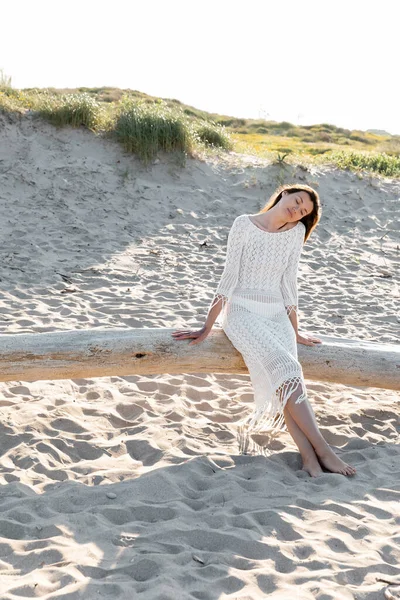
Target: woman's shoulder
[301, 231]
[303, 227]
[239, 221]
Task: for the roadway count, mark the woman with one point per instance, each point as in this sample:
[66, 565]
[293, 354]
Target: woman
[256, 305]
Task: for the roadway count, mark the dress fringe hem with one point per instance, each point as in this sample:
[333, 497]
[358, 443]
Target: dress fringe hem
[268, 420]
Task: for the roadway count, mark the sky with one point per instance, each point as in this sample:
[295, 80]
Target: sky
[304, 62]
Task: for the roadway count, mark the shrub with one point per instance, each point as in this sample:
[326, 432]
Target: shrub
[147, 128]
[295, 133]
[379, 163]
[323, 136]
[360, 138]
[17, 101]
[285, 125]
[233, 123]
[214, 135]
[70, 109]
[190, 112]
[328, 127]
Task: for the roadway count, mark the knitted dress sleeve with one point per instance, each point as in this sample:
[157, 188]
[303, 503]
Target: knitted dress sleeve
[230, 273]
[288, 284]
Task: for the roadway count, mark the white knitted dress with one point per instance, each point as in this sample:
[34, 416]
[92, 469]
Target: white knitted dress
[258, 288]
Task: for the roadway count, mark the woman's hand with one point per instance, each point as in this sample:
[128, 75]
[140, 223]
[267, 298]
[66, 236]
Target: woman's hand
[199, 335]
[307, 340]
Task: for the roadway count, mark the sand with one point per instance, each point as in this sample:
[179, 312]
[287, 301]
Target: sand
[133, 487]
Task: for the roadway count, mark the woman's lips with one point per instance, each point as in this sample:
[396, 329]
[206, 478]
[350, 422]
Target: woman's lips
[289, 212]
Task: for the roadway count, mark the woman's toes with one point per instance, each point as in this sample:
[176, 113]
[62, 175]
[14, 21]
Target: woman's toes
[347, 470]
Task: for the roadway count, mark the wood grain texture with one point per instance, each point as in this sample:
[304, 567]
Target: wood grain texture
[149, 351]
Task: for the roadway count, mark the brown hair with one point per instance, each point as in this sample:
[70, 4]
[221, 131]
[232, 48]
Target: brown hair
[310, 221]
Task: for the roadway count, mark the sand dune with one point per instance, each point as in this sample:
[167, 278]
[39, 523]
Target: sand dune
[130, 487]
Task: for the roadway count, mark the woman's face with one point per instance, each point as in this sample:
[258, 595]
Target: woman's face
[296, 205]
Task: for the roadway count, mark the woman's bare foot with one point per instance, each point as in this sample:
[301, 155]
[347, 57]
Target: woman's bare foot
[312, 466]
[333, 463]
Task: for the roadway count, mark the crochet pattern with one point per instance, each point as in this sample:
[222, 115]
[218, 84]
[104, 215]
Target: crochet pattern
[258, 290]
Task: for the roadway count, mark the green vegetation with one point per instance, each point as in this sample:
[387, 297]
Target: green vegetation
[147, 128]
[379, 163]
[212, 134]
[70, 109]
[146, 125]
[4, 80]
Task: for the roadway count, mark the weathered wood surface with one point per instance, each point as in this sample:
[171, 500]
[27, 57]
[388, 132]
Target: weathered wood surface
[149, 351]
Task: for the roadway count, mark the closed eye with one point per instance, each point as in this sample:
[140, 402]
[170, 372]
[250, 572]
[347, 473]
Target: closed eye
[302, 213]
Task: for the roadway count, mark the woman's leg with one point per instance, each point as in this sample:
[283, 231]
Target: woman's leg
[309, 458]
[304, 417]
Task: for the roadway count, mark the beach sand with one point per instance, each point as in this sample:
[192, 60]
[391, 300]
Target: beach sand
[133, 487]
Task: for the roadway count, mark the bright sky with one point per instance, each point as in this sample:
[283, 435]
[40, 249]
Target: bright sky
[314, 61]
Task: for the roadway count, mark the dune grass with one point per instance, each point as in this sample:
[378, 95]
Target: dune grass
[145, 129]
[383, 163]
[70, 109]
[146, 125]
[215, 135]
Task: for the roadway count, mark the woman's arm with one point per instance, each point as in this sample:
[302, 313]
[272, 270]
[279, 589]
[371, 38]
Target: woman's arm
[290, 294]
[289, 283]
[230, 273]
[293, 318]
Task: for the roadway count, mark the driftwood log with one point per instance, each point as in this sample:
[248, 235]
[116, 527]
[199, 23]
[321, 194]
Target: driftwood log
[148, 351]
